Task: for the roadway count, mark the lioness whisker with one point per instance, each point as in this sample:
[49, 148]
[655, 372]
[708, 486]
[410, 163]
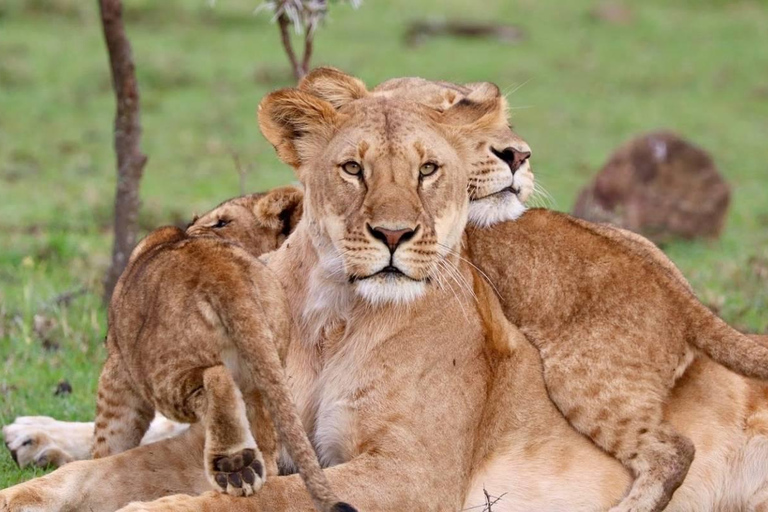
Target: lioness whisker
[455, 295]
[459, 276]
[456, 275]
[465, 260]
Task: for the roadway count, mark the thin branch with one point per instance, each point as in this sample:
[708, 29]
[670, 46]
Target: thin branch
[285, 36]
[309, 38]
[490, 501]
[65, 298]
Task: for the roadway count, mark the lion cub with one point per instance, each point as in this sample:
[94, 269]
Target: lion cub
[197, 330]
[616, 325]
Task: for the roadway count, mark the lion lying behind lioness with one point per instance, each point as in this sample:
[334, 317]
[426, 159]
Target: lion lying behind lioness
[410, 405]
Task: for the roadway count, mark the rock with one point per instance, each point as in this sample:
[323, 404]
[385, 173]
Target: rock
[613, 13]
[658, 185]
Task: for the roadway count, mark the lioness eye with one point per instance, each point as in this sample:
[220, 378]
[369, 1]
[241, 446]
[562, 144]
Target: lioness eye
[220, 224]
[352, 168]
[428, 169]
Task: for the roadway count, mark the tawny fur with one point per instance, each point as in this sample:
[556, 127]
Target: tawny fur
[615, 330]
[612, 347]
[198, 329]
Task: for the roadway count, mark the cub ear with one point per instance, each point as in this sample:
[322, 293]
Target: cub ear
[297, 124]
[333, 86]
[483, 107]
[280, 209]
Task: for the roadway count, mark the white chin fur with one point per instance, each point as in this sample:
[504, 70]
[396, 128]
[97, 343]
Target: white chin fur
[495, 209]
[379, 291]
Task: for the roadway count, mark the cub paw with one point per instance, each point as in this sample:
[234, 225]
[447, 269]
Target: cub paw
[238, 474]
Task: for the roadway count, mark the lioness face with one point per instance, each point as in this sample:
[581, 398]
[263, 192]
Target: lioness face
[498, 160]
[385, 188]
[390, 198]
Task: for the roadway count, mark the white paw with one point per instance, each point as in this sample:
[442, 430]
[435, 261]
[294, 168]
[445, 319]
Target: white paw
[41, 441]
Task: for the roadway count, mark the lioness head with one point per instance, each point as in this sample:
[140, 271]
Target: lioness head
[258, 222]
[500, 176]
[385, 185]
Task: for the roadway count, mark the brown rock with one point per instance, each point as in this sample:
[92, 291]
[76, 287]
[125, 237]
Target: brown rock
[658, 185]
[614, 13]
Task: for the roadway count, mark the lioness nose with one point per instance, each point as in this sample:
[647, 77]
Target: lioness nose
[513, 157]
[391, 237]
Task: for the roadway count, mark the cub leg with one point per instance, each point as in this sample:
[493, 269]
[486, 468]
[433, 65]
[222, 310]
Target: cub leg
[233, 461]
[621, 412]
[122, 415]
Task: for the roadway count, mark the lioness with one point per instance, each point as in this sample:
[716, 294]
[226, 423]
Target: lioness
[197, 330]
[612, 348]
[409, 404]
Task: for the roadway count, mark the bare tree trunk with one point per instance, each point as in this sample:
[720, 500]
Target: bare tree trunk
[130, 160]
[299, 68]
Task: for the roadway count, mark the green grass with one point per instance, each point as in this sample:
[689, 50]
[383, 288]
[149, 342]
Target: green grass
[580, 87]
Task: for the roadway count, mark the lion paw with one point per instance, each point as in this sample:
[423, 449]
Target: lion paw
[238, 474]
[40, 441]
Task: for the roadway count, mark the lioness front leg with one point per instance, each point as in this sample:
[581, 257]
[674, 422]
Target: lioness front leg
[368, 482]
[104, 485]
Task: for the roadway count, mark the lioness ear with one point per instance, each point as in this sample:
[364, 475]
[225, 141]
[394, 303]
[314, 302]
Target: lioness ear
[280, 209]
[333, 86]
[484, 106]
[297, 124]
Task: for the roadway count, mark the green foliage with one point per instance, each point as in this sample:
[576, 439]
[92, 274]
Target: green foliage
[578, 86]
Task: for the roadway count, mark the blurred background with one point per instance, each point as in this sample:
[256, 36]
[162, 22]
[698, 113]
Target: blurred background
[582, 77]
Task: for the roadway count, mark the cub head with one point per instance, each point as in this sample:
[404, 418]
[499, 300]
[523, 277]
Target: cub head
[498, 161]
[385, 184]
[258, 222]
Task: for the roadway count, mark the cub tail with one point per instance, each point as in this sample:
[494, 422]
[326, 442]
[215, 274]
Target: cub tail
[741, 353]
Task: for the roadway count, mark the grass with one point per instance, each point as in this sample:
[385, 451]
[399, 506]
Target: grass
[579, 88]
